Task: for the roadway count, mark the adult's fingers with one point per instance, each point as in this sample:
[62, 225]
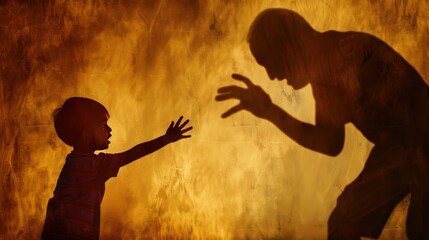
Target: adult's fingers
[242, 78]
[226, 97]
[230, 88]
[232, 111]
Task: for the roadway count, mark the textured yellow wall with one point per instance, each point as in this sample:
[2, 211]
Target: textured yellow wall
[149, 62]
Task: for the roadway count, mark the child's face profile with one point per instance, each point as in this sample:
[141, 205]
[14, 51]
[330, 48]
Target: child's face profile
[100, 134]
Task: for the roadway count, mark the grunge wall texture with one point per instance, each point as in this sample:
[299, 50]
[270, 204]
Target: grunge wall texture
[149, 62]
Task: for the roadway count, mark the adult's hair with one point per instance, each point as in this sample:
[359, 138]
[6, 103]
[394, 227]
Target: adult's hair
[75, 116]
[277, 29]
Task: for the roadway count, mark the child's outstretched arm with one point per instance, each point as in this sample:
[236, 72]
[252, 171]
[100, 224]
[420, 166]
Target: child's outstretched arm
[174, 133]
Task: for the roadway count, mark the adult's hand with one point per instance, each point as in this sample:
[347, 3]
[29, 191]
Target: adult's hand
[253, 98]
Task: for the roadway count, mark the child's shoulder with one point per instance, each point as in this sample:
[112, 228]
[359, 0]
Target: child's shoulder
[86, 161]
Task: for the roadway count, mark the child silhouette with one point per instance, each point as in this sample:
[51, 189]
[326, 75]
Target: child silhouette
[74, 211]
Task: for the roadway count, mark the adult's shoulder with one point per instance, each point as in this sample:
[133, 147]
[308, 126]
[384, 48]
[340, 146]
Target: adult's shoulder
[350, 36]
[342, 35]
[350, 44]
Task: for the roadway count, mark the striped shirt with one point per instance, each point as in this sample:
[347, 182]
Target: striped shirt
[74, 211]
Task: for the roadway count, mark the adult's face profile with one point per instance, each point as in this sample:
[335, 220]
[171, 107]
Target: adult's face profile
[277, 67]
[278, 40]
[273, 64]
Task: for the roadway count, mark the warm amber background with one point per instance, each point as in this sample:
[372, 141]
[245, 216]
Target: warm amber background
[149, 62]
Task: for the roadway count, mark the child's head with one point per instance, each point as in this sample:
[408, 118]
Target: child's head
[82, 123]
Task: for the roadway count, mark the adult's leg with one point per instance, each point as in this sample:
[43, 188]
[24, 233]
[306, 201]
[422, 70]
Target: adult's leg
[418, 211]
[365, 205]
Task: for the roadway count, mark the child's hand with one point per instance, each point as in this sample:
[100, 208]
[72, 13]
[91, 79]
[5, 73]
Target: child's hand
[175, 131]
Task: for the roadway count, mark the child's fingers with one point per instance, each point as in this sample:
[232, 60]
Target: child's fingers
[186, 136]
[171, 124]
[178, 121]
[184, 123]
[186, 130]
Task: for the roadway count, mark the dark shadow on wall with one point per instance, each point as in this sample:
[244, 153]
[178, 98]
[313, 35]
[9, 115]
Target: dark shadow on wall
[356, 78]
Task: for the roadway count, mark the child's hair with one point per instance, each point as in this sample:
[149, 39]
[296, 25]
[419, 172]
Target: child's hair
[76, 115]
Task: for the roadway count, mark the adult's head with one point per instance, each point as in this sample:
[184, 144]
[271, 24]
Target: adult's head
[279, 40]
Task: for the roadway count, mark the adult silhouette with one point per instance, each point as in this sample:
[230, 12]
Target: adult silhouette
[356, 78]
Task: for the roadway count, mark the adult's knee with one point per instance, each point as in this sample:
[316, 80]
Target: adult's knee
[338, 228]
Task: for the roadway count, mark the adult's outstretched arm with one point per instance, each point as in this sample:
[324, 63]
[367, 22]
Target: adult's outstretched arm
[324, 137]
